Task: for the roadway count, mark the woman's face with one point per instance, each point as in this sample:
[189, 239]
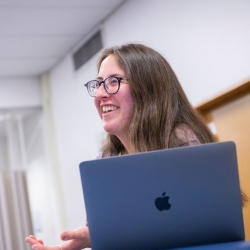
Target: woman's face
[118, 107]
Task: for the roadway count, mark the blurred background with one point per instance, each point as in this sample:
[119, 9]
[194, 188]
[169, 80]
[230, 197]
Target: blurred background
[48, 123]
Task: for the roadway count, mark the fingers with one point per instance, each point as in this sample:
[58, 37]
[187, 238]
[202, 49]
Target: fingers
[70, 245]
[75, 240]
[39, 245]
[32, 237]
[32, 240]
[41, 242]
[35, 243]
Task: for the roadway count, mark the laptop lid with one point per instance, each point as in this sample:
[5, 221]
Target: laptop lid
[164, 199]
[234, 245]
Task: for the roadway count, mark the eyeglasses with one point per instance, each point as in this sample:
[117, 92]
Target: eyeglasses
[111, 85]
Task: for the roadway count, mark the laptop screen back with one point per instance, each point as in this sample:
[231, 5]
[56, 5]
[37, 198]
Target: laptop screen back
[164, 199]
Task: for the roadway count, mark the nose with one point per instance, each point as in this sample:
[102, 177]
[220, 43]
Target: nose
[101, 92]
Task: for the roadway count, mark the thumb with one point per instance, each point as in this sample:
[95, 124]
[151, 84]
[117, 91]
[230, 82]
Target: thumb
[70, 235]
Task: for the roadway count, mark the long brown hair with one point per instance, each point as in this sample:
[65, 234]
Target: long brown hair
[160, 104]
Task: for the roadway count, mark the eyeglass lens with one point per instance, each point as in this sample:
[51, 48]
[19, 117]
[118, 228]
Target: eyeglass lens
[111, 84]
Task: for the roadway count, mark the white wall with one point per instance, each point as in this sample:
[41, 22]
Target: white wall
[20, 92]
[206, 42]
[78, 132]
[40, 183]
[24, 145]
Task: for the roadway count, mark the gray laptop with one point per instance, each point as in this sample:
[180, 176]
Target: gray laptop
[188, 196]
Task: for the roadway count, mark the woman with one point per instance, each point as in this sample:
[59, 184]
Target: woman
[142, 107]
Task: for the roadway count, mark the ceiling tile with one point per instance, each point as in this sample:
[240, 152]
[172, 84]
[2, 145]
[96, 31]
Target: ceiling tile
[26, 67]
[14, 46]
[34, 35]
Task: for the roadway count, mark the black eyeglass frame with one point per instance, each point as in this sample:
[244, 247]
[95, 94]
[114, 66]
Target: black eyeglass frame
[119, 79]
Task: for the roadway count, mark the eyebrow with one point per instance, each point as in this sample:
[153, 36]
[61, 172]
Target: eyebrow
[99, 78]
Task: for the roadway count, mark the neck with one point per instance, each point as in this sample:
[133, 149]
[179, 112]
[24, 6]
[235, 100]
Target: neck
[127, 145]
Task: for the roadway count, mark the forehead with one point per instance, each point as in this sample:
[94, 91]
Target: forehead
[110, 66]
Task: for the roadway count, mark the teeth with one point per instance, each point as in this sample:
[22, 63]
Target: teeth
[106, 109]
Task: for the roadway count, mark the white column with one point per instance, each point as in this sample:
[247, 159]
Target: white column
[3, 154]
[6, 234]
[52, 152]
[13, 144]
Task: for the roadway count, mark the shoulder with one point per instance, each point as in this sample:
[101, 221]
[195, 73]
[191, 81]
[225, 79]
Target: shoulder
[102, 155]
[99, 156]
[186, 136]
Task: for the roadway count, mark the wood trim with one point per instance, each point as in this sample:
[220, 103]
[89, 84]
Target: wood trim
[229, 95]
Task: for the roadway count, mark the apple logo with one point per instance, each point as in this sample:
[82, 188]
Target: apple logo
[162, 202]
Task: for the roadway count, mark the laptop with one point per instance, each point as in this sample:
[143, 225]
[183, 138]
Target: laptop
[172, 198]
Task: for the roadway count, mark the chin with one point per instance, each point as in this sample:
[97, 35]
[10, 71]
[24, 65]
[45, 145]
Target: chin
[110, 130]
[113, 128]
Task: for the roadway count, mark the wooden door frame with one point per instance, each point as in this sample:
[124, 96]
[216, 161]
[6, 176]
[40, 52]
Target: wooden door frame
[235, 92]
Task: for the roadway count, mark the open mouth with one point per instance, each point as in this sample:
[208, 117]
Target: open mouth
[107, 109]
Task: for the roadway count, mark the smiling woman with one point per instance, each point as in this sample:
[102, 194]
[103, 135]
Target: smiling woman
[142, 107]
[115, 110]
[151, 110]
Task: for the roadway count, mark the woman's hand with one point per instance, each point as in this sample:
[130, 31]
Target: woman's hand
[74, 240]
[35, 243]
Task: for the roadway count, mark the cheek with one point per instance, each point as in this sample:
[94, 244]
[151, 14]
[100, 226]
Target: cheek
[96, 102]
[129, 106]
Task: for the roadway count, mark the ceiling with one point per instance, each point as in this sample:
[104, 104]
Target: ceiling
[35, 34]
